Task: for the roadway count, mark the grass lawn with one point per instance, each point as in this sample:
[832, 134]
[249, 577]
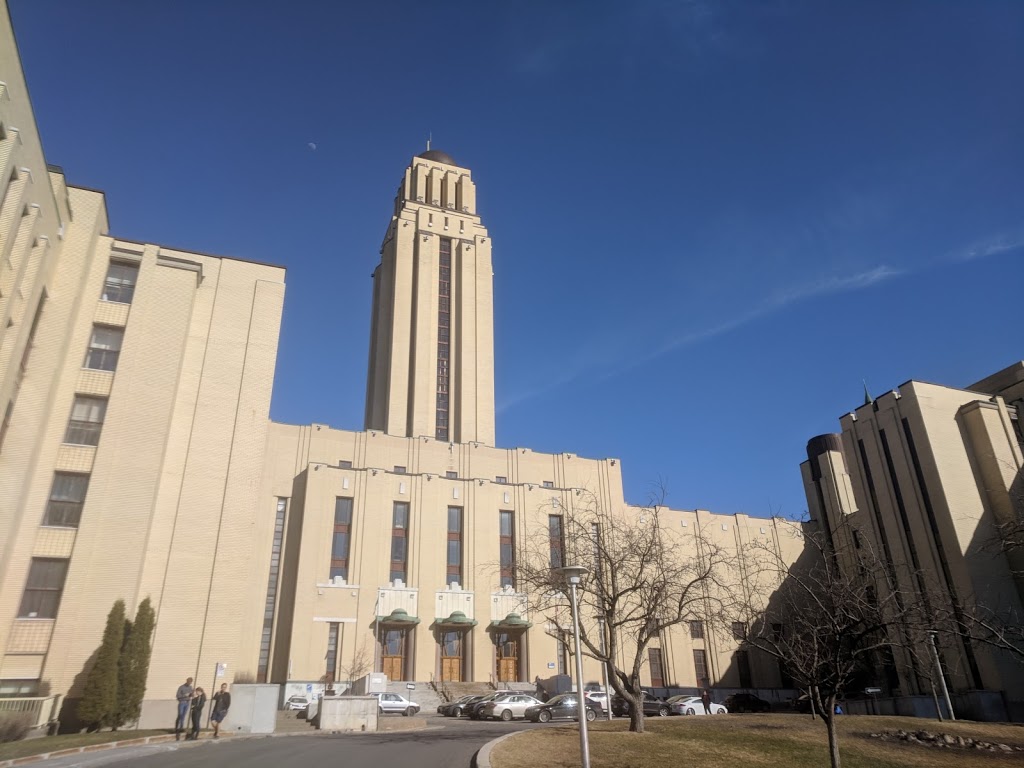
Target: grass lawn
[728, 741]
[44, 744]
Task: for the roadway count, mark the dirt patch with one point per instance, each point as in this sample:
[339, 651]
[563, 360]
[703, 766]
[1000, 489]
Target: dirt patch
[945, 741]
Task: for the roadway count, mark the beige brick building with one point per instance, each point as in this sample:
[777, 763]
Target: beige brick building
[926, 475]
[137, 459]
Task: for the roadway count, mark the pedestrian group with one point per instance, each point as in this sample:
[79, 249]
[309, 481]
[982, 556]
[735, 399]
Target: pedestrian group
[191, 702]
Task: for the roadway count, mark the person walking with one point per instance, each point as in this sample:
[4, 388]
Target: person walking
[705, 699]
[184, 697]
[221, 705]
[198, 704]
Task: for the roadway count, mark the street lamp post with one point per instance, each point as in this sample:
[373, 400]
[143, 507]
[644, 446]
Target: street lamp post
[574, 575]
[932, 634]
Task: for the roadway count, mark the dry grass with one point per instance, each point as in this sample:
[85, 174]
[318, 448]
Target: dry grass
[754, 740]
[53, 743]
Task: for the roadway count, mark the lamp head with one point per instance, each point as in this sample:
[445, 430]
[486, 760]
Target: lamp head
[574, 573]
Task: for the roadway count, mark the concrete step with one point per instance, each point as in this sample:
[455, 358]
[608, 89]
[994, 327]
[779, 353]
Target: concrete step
[292, 721]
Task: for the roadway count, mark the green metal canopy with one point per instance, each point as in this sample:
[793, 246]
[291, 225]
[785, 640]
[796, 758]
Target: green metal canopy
[510, 623]
[457, 620]
[398, 618]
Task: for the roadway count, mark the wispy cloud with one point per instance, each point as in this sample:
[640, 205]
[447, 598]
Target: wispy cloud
[992, 246]
[778, 301]
[608, 362]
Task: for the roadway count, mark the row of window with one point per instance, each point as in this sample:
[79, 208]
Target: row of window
[342, 543]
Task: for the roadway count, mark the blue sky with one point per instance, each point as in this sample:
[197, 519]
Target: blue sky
[710, 221]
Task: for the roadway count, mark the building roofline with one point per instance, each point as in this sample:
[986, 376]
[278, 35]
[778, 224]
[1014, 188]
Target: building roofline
[200, 253]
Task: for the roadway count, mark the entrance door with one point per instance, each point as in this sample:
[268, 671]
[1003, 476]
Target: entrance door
[451, 656]
[393, 653]
[507, 657]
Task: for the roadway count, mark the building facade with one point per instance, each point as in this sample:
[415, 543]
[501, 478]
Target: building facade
[135, 383]
[930, 476]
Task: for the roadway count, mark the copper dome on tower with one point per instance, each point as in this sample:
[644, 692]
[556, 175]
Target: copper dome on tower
[437, 156]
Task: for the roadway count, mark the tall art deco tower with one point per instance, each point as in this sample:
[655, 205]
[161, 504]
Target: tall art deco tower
[431, 368]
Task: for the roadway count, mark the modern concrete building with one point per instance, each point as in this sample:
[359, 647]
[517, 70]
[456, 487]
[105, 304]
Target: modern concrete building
[929, 475]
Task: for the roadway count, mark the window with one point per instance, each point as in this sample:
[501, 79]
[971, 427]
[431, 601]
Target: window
[856, 538]
[454, 573]
[104, 348]
[739, 630]
[548, 484]
[87, 416]
[700, 667]
[562, 653]
[342, 537]
[64, 509]
[506, 545]
[556, 540]
[501, 479]
[399, 540]
[657, 669]
[43, 590]
[399, 470]
[120, 283]
[444, 293]
[697, 629]
[451, 475]
[344, 464]
[778, 632]
[595, 544]
[743, 666]
[263, 665]
[332, 652]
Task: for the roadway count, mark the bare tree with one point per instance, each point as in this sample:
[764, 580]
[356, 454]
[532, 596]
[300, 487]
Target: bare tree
[359, 665]
[832, 619]
[645, 577]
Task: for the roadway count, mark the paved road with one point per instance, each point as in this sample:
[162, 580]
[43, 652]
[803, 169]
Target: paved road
[445, 743]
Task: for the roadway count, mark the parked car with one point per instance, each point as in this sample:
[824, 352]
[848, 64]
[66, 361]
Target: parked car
[562, 707]
[508, 707]
[692, 705]
[652, 705]
[454, 708]
[473, 710]
[393, 703]
[747, 702]
[296, 702]
[597, 698]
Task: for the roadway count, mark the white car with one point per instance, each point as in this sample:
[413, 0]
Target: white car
[296, 702]
[692, 705]
[392, 702]
[508, 707]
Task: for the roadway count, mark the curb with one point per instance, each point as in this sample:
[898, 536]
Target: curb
[146, 740]
[482, 758]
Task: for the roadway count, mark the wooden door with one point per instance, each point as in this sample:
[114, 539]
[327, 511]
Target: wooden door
[508, 669]
[451, 669]
[393, 667]
[657, 670]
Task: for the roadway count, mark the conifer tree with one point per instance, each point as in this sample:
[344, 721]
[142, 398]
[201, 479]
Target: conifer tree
[99, 701]
[133, 668]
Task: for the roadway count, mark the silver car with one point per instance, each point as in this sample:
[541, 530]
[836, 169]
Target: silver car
[392, 702]
[508, 708]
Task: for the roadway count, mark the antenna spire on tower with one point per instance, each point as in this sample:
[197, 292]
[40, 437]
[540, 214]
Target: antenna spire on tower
[430, 136]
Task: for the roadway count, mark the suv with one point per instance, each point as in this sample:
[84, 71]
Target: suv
[652, 705]
[392, 702]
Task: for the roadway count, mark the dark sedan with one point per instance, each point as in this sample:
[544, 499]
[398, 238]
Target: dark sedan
[747, 702]
[563, 707]
[454, 708]
[652, 705]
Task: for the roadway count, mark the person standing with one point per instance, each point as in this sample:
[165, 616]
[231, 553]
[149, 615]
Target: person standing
[221, 705]
[184, 697]
[705, 699]
[198, 704]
